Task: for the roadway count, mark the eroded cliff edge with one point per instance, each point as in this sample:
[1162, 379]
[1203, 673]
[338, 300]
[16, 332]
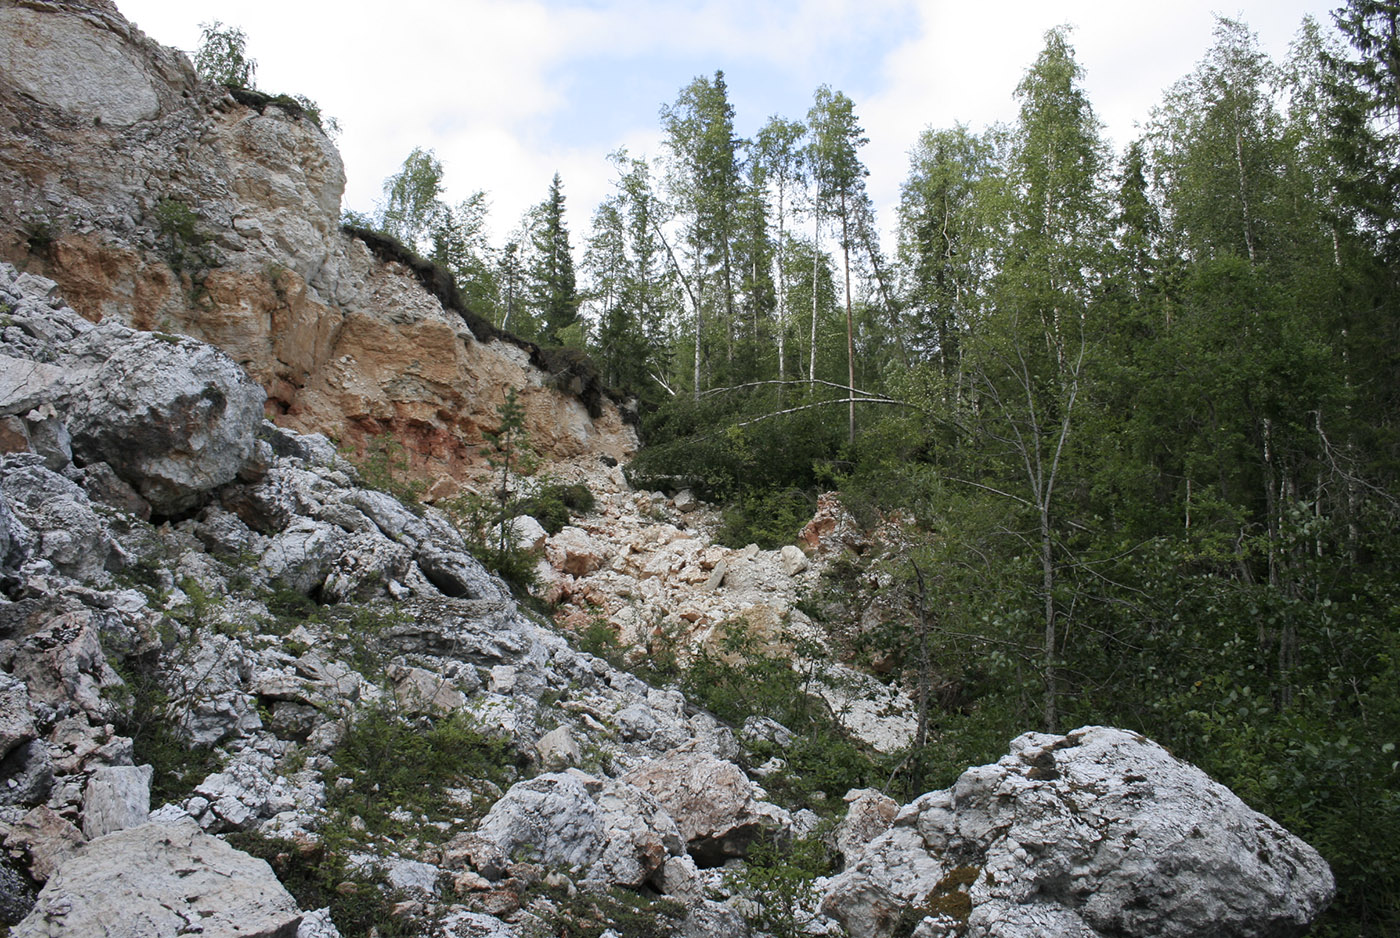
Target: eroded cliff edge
[167, 204]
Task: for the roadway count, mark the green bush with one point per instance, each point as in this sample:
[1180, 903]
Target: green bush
[779, 877]
[553, 505]
[319, 876]
[742, 680]
[186, 247]
[768, 519]
[622, 912]
[396, 763]
[155, 739]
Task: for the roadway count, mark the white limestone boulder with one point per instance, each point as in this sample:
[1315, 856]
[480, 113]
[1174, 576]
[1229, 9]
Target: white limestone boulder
[1097, 833]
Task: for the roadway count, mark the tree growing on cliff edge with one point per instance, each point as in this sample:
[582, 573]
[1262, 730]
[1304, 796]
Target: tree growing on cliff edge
[222, 56]
[553, 287]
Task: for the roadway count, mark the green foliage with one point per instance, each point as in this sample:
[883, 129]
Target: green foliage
[385, 467]
[222, 56]
[412, 201]
[741, 679]
[592, 913]
[319, 876]
[769, 519]
[399, 771]
[186, 247]
[554, 504]
[144, 714]
[779, 877]
[550, 277]
[477, 518]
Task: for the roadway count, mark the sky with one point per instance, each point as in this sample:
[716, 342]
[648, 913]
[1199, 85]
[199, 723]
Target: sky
[508, 92]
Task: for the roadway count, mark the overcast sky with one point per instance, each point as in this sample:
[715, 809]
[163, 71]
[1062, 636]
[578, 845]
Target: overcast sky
[507, 92]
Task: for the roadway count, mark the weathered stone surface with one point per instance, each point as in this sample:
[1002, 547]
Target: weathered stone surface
[69, 533]
[175, 418]
[212, 702]
[794, 561]
[317, 924]
[869, 813]
[574, 552]
[26, 774]
[25, 384]
[160, 881]
[16, 714]
[16, 894]
[558, 749]
[604, 831]
[63, 662]
[476, 925]
[421, 691]
[46, 839]
[117, 797]
[525, 533]
[712, 801]
[102, 78]
[1100, 832]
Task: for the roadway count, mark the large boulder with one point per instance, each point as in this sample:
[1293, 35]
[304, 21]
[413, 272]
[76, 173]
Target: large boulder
[605, 832]
[160, 881]
[173, 416]
[1100, 832]
[713, 801]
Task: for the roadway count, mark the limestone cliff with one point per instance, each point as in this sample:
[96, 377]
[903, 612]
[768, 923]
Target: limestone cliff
[169, 204]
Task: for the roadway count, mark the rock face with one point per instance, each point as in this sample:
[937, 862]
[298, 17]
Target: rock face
[602, 831]
[718, 810]
[173, 417]
[160, 881]
[1100, 832]
[169, 205]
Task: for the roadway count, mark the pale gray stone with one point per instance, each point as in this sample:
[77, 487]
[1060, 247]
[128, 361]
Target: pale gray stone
[156, 881]
[599, 829]
[101, 79]
[174, 418]
[794, 561]
[117, 797]
[712, 801]
[1097, 833]
[26, 384]
[317, 924]
[558, 749]
[46, 839]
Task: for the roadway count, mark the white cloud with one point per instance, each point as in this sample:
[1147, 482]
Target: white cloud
[507, 92]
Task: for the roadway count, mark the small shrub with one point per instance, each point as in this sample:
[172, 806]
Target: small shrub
[384, 467]
[555, 504]
[185, 246]
[319, 876]
[768, 519]
[394, 763]
[779, 877]
[618, 911]
[144, 716]
[222, 56]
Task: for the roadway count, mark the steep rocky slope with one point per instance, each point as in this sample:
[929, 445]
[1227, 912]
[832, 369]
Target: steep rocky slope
[167, 203]
[312, 671]
[208, 614]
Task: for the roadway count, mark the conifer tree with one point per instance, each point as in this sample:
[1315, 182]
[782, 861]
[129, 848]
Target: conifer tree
[552, 284]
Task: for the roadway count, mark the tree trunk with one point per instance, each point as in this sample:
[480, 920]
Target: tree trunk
[850, 321]
[1047, 570]
[816, 260]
